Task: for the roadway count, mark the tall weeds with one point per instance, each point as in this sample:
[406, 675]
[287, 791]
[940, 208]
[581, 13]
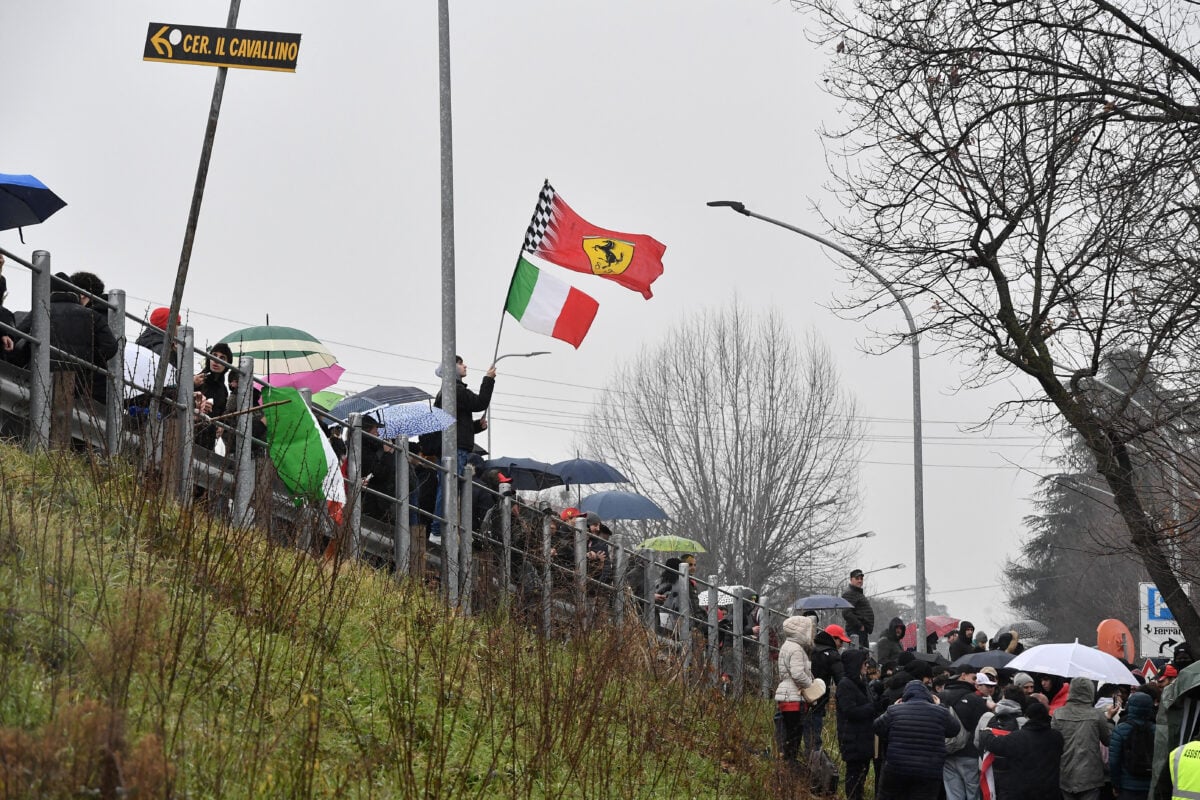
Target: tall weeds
[151, 650]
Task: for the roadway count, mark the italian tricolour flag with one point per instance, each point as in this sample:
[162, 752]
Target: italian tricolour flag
[300, 451]
[544, 304]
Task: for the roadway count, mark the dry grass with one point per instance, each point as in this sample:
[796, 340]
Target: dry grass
[153, 651]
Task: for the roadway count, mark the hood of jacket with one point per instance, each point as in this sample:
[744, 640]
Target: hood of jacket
[799, 630]
[853, 660]
[915, 690]
[1008, 708]
[823, 639]
[891, 630]
[1140, 707]
[965, 626]
[1082, 691]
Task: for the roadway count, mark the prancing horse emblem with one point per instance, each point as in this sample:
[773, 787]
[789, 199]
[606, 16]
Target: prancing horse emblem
[607, 256]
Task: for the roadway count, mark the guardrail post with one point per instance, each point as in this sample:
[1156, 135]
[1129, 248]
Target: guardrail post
[312, 522]
[648, 586]
[739, 644]
[39, 354]
[185, 394]
[506, 505]
[714, 631]
[450, 527]
[547, 576]
[580, 543]
[682, 591]
[401, 516]
[466, 542]
[354, 477]
[114, 405]
[244, 477]
[765, 678]
[620, 578]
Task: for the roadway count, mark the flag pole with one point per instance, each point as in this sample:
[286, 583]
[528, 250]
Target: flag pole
[504, 307]
[499, 331]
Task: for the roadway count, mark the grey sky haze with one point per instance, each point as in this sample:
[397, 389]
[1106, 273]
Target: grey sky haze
[322, 210]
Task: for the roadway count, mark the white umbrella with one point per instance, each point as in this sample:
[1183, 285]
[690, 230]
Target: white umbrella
[725, 595]
[141, 363]
[1073, 661]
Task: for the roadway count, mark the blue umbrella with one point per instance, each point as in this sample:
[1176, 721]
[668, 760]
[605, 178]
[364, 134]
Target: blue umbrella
[622, 505]
[24, 200]
[410, 419]
[818, 602]
[376, 397]
[528, 474]
[586, 470]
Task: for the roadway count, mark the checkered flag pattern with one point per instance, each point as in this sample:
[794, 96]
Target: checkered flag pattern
[542, 215]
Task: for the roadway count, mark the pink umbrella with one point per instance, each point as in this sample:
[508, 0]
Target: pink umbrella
[936, 624]
[286, 356]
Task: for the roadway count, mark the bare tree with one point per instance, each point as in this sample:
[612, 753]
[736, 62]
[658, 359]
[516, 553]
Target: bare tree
[747, 438]
[1024, 172]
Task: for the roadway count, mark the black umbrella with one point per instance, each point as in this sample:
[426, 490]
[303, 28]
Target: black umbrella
[988, 658]
[376, 397]
[527, 474]
[24, 200]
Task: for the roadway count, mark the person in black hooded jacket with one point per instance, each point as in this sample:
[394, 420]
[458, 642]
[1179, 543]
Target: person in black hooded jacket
[965, 643]
[1036, 751]
[76, 330]
[855, 717]
[889, 647]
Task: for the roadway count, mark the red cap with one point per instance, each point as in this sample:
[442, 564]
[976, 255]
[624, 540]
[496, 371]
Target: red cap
[1170, 671]
[571, 513]
[502, 478]
[837, 632]
[159, 317]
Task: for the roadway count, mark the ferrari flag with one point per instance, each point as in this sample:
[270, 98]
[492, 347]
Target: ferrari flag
[560, 236]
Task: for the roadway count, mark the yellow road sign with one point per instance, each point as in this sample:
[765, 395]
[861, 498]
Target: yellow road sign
[221, 47]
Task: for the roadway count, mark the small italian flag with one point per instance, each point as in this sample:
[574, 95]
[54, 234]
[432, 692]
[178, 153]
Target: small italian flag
[547, 305]
[301, 453]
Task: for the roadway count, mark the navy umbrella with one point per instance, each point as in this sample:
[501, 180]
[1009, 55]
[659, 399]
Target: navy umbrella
[377, 397]
[528, 474]
[622, 505]
[24, 200]
[818, 602]
[586, 470]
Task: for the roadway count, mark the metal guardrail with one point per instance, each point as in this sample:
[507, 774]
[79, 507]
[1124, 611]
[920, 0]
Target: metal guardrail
[562, 592]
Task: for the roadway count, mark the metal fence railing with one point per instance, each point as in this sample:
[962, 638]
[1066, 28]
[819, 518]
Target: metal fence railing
[519, 556]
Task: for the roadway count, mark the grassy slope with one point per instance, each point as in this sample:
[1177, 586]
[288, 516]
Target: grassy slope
[157, 651]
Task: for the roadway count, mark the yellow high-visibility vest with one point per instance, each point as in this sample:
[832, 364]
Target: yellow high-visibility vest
[1185, 772]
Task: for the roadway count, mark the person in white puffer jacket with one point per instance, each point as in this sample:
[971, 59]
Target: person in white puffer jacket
[795, 675]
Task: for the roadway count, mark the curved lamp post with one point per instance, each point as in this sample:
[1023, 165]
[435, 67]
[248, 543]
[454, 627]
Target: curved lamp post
[914, 341]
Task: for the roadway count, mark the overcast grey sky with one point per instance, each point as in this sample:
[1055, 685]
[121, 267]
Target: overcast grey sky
[322, 210]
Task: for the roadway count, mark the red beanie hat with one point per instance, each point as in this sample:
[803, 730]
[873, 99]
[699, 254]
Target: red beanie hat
[159, 317]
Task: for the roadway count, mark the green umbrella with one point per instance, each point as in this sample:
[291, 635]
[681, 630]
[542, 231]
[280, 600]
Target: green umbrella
[326, 399]
[672, 544]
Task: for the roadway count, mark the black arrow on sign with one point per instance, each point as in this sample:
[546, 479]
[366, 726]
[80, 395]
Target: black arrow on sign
[1168, 643]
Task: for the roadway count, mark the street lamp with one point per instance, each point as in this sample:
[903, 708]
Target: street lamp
[897, 589]
[914, 340]
[884, 569]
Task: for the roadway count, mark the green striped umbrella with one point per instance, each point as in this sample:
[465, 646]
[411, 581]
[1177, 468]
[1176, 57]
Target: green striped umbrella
[672, 544]
[286, 356]
[326, 399]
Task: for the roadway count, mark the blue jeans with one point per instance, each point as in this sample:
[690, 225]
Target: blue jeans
[960, 775]
[435, 527]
